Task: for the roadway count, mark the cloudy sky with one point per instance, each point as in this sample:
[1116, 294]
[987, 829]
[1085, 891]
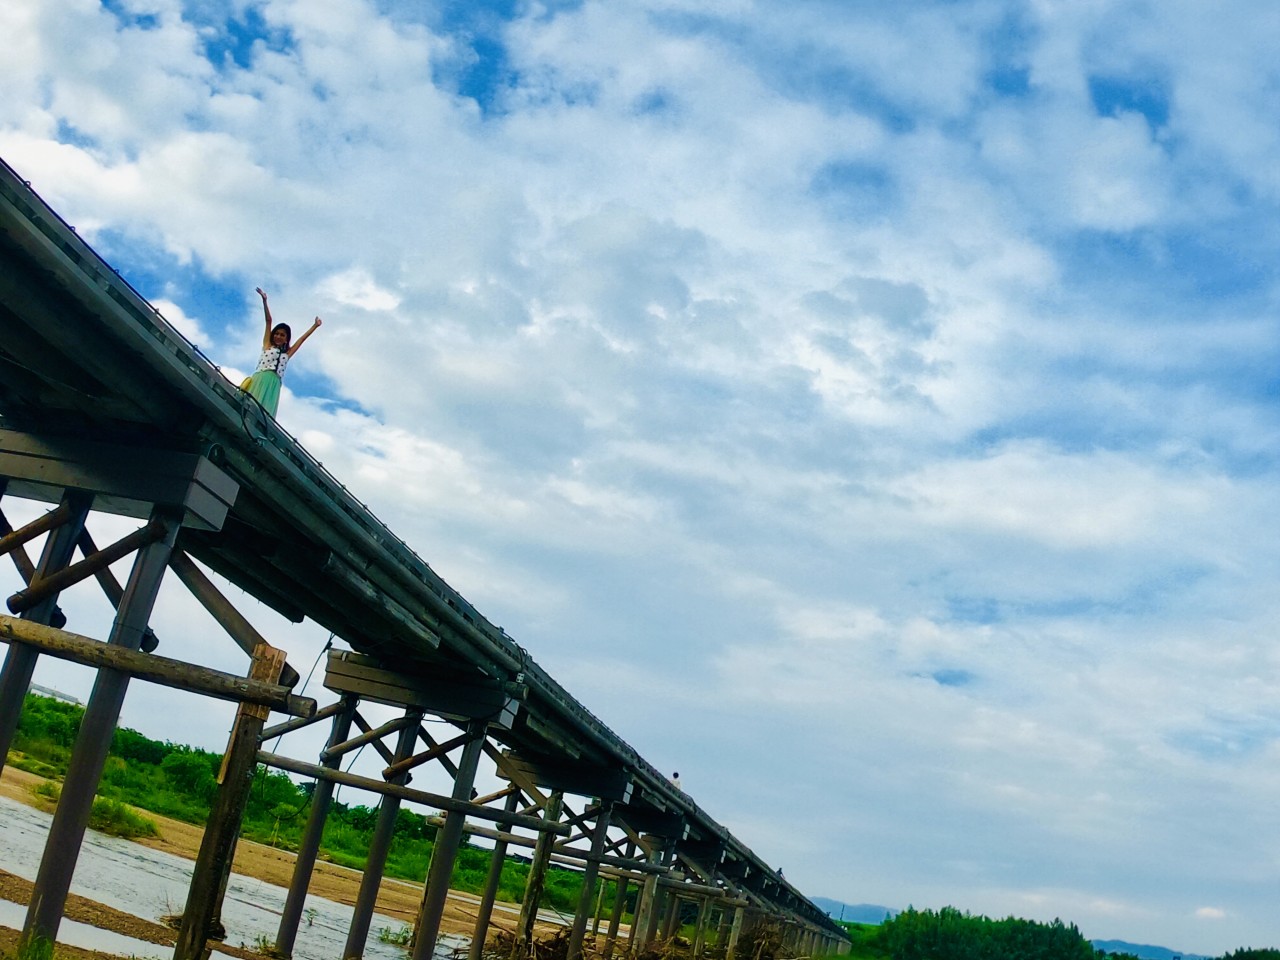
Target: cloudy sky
[868, 410]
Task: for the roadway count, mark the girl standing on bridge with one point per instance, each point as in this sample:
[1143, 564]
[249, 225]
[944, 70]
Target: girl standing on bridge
[264, 385]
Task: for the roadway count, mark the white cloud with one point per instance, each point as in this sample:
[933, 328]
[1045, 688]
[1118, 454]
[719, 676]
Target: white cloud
[788, 389]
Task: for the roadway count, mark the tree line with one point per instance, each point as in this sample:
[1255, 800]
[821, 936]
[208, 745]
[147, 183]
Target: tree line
[180, 781]
[949, 934]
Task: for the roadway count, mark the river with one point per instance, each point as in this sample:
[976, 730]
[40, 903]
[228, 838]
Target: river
[151, 883]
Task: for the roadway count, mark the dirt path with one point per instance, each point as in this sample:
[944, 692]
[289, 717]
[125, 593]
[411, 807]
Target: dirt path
[396, 899]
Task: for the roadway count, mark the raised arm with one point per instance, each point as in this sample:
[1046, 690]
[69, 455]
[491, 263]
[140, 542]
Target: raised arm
[266, 316]
[302, 339]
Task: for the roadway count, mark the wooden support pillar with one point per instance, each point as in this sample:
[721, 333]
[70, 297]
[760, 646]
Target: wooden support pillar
[590, 872]
[445, 852]
[700, 931]
[218, 845]
[380, 844]
[484, 913]
[641, 926]
[657, 898]
[20, 661]
[619, 905]
[735, 932]
[537, 879]
[598, 913]
[671, 914]
[309, 845]
[42, 588]
[62, 848]
[111, 587]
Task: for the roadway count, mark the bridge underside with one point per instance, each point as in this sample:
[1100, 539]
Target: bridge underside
[105, 409]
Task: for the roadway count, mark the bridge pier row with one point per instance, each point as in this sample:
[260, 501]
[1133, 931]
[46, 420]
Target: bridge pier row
[380, 844]
[448, 841]
[20, 662]
[309, 846]
[88, 757]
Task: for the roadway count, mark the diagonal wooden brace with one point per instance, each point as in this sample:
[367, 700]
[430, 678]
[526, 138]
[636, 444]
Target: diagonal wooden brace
[111, 587]
[73, 574]
[220, 608]
[42, 524]
[27, 569]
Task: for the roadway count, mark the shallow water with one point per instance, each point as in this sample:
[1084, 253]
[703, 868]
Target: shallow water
[151, 883]
[82, 935]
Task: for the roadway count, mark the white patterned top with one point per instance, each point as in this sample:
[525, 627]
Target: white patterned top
[274, 359]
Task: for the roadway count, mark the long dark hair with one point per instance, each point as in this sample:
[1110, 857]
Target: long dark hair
[288, 334]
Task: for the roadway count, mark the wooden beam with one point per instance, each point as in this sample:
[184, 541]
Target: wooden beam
[149, 666]
[408, 793]
[577, 778]
[124, 479]
[73, 573]
[452, 694]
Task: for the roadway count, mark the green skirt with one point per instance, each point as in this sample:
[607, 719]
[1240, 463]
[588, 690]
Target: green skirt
[264, 386]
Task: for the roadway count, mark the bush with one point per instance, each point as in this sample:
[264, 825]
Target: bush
[115, 818]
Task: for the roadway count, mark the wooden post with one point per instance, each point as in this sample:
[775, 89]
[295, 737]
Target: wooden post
[657, 914]
[671, 914]
[700, 932]
[735, 931]
[589, 874]
[484, 913]
[309, 846]
[619, 905]
[20, 662]
[218, 846]
[598, 913]
[537, 880]
[641, 933]
[445, 852]
[380, 845]
[89, 756]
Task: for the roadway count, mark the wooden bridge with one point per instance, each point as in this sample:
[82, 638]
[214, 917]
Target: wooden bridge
[106, 409]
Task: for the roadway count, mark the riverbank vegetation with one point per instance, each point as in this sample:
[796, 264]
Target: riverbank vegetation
[181, 782]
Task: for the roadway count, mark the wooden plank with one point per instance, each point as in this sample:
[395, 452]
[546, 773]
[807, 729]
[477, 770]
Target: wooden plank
[124, 479]
[450, 694]
[605, 783]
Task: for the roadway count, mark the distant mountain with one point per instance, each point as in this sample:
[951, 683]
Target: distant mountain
[1143, 950]
[854, 912]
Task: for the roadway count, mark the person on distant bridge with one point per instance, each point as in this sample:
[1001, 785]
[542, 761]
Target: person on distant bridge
[264, 385]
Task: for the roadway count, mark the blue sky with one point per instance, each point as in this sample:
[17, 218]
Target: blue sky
[858, 405]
